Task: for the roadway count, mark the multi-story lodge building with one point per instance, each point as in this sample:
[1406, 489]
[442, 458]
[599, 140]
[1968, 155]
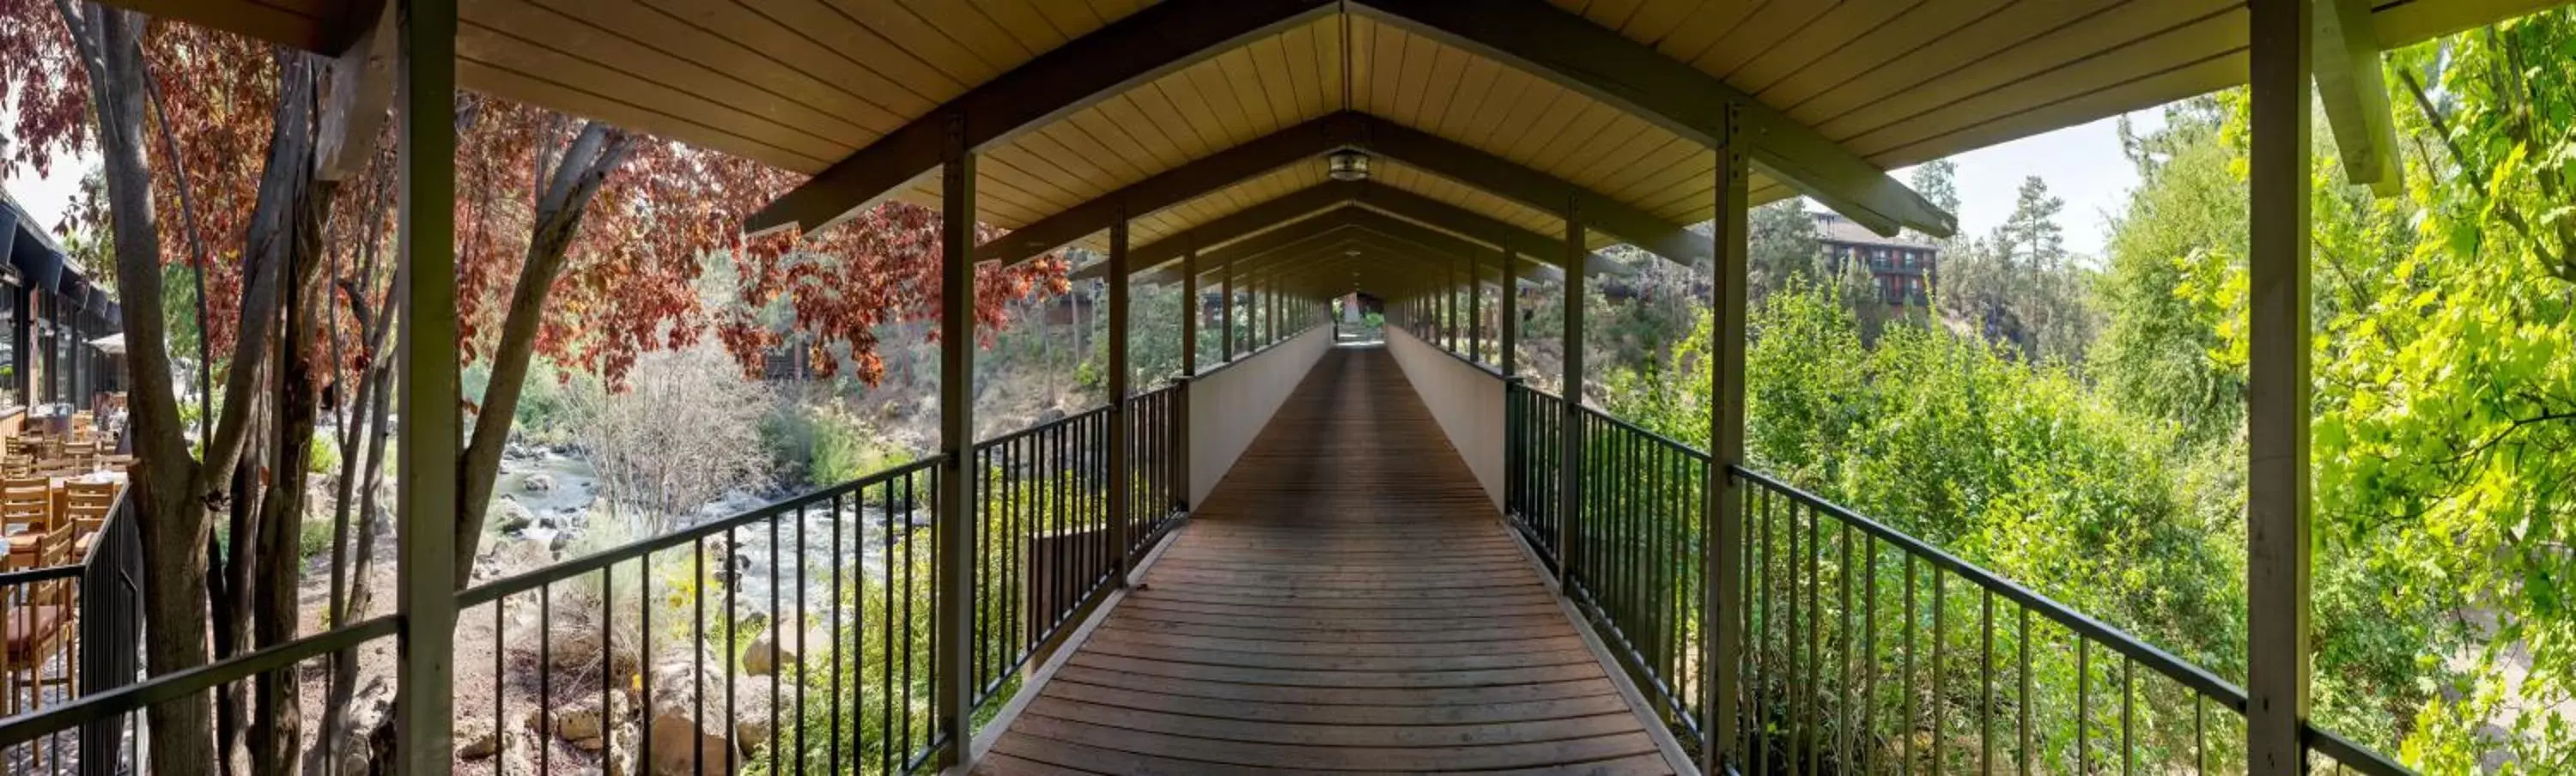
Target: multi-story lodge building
[1902, 266]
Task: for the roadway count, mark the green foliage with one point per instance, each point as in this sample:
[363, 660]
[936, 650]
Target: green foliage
[819, 446]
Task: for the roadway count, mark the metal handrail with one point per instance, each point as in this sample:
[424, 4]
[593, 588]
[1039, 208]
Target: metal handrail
[507, 586]
[96, 707]
[2194, 677]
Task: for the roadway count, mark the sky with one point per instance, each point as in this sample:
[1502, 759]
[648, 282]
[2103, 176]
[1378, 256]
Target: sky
[2082, 165]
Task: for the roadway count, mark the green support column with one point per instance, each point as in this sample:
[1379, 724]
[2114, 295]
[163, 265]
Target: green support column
[955, 509]
[1190, 312]
[1225, 312]
[1510, 313]
[1571, 471]
[2277, 391]
[426, 504]
[1723, 551]
[1121, 437]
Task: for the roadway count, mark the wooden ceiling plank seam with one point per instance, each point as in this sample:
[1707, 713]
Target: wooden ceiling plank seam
[1385, 67]
[1927, 24]
[1613, 14]
[1585, 126]
[919, 39]
[1032, 173]
[1613, 154]
[1760, 33]
[501, 49]
[1546, 109]
[1127, 116]
[1194, 108]
[1305, 82]
[1090, 166]
[2206, 37]
[1023, 21]
[1475, 85]
[1828, 36]
[1242, 71]
[1935, 67]
[1074, 19]
[1658, 19]
[1661, 166]
[1489, 173]
[1136, 49]
[760, 33]
[974, 29]
[2202, 76]
[514, 85]
[1413, 79]
[624, 57]
[1509, 88]
[861, 45]
[659, 30]
[1704, 27]
[1326, 38]
[1442, 85]
[1278, 88]
[1240, 113]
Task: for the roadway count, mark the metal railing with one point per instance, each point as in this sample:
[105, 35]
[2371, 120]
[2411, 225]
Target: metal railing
[1865, 650]
[806, 625]
[1637, 558]
[1533, 448]
[74, 630]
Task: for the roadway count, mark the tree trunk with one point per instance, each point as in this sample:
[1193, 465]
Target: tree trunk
[278, 728]
[576, 179]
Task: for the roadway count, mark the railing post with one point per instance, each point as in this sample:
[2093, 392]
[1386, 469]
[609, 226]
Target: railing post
[1225, 311]
[1121, 436]
[424, 708]
[1191, 311]
[1722, 613]
[1475, 309]
[1510, 313]
[2277, 388]
[1570, 464]
[1179, 450]
[953, 690]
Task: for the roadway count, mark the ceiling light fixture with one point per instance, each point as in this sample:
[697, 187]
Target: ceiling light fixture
[1349, 166]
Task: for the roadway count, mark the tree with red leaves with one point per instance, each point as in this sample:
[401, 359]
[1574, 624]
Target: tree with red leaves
[577, 241]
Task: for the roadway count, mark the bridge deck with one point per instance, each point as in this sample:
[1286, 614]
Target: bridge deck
[1346, 600]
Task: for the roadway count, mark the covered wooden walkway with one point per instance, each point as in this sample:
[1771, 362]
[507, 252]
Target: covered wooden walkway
[1346, 600]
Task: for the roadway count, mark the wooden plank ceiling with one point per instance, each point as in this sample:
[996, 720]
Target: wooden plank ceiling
[801, 84]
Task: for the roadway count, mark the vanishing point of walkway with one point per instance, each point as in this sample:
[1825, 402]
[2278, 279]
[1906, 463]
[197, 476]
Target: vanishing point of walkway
[1346, 600]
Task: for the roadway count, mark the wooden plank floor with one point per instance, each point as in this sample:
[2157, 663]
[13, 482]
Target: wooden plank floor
[1345, 601]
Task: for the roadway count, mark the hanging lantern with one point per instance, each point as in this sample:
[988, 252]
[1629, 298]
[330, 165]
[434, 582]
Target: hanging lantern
[1349, 166]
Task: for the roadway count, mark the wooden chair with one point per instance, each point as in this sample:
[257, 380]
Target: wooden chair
[27, 508]
[85, 506]
[37, 628]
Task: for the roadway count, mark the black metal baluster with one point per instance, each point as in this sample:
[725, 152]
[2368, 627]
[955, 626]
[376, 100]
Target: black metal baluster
[1905, 734]
[832, 698]
[2029, 752]
[1986, 680]
[1869, 652]
[698, 647]
[2128, 709]
[733, 618]
[1940, 673]
[545, 676]
[2083, 704]
[1843, 713]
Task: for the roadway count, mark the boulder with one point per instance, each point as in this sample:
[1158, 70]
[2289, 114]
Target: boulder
[688, 729]
[475, 740]
[514, 517]
[538, 483]
[679, 747]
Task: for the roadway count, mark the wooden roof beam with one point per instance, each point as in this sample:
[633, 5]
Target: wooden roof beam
[1572, 51]
[1145, 45]
[2346, 59]
[1375, 136]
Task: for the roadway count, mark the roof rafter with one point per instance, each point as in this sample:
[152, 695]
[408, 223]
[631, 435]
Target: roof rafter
[2346, 60]
[1145, 45]
[1599, 62]
[1350, 130]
